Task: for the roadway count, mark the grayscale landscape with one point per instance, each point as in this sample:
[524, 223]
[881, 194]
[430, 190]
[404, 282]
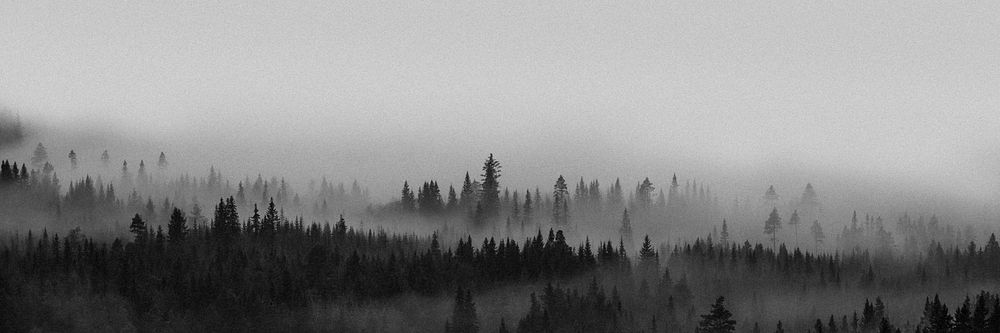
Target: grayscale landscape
[561, 166]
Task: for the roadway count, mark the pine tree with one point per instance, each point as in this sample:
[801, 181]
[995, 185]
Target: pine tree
[341, 227]
[794, 222]
[254, 224]
[162, 163]
[241, 195]
[271, 219]
[452, 200]
[195, 213]
[39, 157]
[718, 320]
[226, 224]
[771, 197]
[72, 159]
[406, 201]
[809, 201]
[150, 209]
[490, 198]
[615, 195]
[177, 227]
[817, 232]
[138, 229]
[560, 209]
[141, 178]
[515, 207]
[771, 227]
[105, 159]
[527, 211]
[463, 318]
[467, 200]
[963, 318]
[724, 235]
[993, 321]
[644, 194]
[649, 260]
[126, 178]
[626, 229]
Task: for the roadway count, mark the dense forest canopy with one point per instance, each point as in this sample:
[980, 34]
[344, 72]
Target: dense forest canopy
[163, 249]
[506, 166]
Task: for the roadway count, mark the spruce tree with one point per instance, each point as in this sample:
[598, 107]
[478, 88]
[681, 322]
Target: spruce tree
[138, 229]
[490, 198]
[271, 219]
[526, 213]
[560, 208]
[177, 227]
[407, 201]
[254, 224]
[452, 200]
[649, 260]
[467, 199]
[718, 320]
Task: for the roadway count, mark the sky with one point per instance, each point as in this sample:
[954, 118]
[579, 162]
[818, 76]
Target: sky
[738, 93]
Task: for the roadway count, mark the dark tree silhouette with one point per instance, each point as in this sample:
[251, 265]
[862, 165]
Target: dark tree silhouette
[177, 227]
[718, 319]
[490, 197]
[560, 206]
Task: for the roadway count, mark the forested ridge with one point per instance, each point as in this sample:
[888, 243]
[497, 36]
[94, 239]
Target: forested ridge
[262, 258]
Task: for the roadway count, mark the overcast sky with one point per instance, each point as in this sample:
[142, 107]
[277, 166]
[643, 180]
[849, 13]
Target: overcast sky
[907, 91]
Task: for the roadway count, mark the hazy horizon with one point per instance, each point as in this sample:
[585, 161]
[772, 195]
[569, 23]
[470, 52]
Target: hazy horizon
[873, 96]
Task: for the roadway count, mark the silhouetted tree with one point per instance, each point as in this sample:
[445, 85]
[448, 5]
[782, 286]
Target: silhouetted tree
[560, 207]
[138, 229]
[407, 201]
[772, 225]
[718, 320]
[177, 227]
[490, 197]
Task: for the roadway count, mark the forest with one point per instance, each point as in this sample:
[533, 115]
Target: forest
[152, 252]
[551, 166]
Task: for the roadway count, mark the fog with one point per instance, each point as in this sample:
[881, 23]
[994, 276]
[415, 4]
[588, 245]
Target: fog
[889, 110]
[866, 101]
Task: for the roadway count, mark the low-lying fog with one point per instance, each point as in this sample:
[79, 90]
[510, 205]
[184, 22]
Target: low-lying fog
[866, 101]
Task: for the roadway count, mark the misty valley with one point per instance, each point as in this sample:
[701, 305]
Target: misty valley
[116, 243]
